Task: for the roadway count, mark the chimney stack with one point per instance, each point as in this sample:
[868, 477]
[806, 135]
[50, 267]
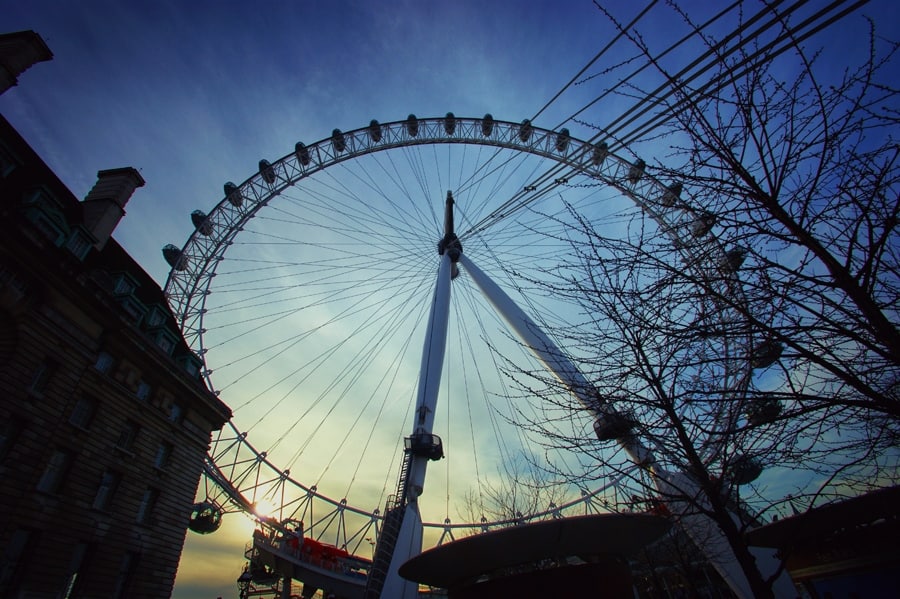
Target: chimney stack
[104, 205]
[18, 51]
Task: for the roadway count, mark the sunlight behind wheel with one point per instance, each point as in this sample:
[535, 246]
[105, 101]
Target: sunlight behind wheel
[307, 292]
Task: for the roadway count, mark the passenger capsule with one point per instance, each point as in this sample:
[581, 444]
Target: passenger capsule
[601, 151]
[205, 518]
[374, 131]
[745, 470]
[703, 223]
[636, 171]
[487, 125]
[733, 259]
[525, 130]
[302, 153]
[611, 426]
[338, 141]
[174, 257]
[762, 411]
[267, 171]
[412, 125]
[450, 123]
[424, 445]
[672, 194]
[201, 223]
[766, 353]
[233, 193]
[562, 140]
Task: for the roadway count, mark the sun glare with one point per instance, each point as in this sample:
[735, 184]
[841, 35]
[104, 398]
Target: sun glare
[263, 508]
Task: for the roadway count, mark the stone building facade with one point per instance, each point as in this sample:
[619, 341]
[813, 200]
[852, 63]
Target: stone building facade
[105, 420]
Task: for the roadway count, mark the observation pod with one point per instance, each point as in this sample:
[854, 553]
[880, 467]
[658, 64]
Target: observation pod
[525, 130]
[302, 153]
[450, 123]
[374, 131]
[267, 171]
[601, 151]
[412, 125]
[762, 411]
[206, 517]
[233, 193]
[337, 141]
[766, 353]
[174, 257]
[745, 470]
[703, 223]
[201, 223]
[424, 445]
[562, 141]
[733, 259]
[487, 125]
[636, 171]
[202, 258]
[672, 194]
[612, 426]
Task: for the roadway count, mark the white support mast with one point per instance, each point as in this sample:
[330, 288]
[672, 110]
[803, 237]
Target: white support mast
[553, 359]
[610, 424]
[409, 538]
[700, 527]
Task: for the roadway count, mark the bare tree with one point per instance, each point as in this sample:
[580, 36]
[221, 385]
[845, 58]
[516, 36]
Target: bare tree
[787, 259]
[513, 496]
[800, 177]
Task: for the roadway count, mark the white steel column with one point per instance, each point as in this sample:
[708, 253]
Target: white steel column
[532, 335]
[700, 527]
[409, 540]
[553, 359]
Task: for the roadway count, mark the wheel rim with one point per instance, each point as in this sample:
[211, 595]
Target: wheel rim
[529, 193]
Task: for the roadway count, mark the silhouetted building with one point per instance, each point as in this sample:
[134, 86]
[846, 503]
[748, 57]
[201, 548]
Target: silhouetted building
[104, 419]
[568, 557]
[18, 51]
[842, 549]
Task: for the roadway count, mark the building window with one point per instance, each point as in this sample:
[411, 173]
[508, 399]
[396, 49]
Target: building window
[165, 340]
[55, 472]
[77, 567]
[127, 568]
[133, 308]
[147, 505]
[83, 412]
[14, 559]
[109, 482]
[13, 284]
[191, 363]
[176, 412]
[124, 285]
[163, 455]
[8, 161]
[104, 362]
[9, 432]
[41, 376]
[143, 391]
[79, 243]
[156, 318]
[127, 436]
[42, 209]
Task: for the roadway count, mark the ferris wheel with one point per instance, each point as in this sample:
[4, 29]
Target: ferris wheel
[374, 306]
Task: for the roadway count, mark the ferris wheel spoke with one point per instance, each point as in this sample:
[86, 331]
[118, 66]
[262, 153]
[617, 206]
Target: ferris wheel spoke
[307, 293]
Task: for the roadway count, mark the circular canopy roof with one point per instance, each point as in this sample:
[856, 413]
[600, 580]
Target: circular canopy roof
[464, 560]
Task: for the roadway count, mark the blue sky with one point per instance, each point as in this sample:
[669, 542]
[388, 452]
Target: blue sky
[193, 94]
